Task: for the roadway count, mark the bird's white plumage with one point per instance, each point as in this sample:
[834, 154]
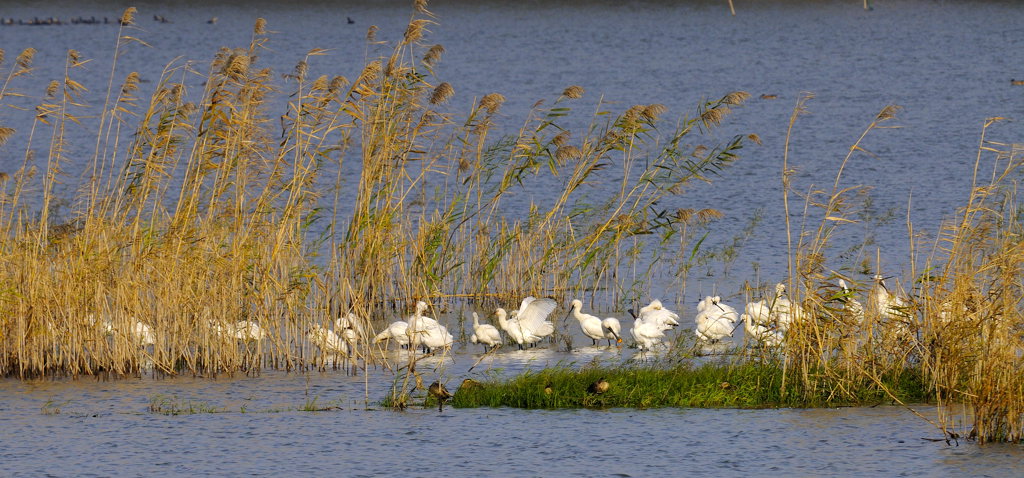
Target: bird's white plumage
[486, 334]
[533, 314]
[761, 333]
[646, 334]
[326, 340]
[851, 304]
[589, 324]
[655, 313]
[396, 331]
[612, 330]
[714, 320]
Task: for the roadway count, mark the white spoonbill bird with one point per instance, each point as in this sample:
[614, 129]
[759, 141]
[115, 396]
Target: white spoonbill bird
[657, 314]
[142, 333]
[421, 326]
[714, 322]
[354, 327]
[434, 338]
[485, 334]
[851, 304]
[247, 331]
[590, 324]
[885, 303]
[326, 340]
[397, 331]
[612, 330]
[785, 311]
[759, 312]
[892, 307]
[529, 324]
[646, 334]
[761, 333]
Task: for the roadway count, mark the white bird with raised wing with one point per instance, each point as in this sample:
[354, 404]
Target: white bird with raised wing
[529, 324]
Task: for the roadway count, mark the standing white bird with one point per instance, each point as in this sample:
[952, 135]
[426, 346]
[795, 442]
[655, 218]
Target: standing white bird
[761, 333]
[397, 331]
[851, 304]
[646, 334]
[426, 332]
[354, 328]
[590, 324]
[142, 334]
[326, 340]
[714, 322]
[891, 307]
[434, 338]
[612, 330]
[885, 303]
[485, 334]
[785, 311]
[247, 331]
[759, 312]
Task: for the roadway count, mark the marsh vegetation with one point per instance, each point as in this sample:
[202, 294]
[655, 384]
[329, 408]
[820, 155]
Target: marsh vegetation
[214, 234]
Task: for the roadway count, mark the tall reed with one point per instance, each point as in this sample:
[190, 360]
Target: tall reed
[204, 213]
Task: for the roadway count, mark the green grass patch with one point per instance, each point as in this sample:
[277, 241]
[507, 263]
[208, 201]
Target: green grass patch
[714, 385]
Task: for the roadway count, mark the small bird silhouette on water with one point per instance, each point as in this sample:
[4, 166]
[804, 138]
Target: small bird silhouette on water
[598, 387]
[350, 20]
[438, 391]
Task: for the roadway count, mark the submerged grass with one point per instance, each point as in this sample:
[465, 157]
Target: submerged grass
[714, 385]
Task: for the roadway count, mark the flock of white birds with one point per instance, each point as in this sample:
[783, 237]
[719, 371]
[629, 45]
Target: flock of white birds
[765, 322]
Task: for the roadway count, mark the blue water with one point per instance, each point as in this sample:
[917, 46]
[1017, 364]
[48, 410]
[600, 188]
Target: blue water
[948, 64]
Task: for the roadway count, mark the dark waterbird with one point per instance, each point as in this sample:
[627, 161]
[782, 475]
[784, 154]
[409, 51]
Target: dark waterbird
[438, 391]
[598, 387]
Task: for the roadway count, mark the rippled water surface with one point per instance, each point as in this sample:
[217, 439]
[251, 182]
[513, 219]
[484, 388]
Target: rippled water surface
[947, 63]
[104, 428]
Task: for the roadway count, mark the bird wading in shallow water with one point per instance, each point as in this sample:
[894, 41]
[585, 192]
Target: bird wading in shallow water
[438, 391]
[485, 334]
[589, 324]
[529, 324]
[612, 330]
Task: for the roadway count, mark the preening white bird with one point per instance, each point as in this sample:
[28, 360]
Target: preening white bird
[647, 335]
[591, 325]
[761, 333]
[655, 313]
[612, 330]
[714, 320]
[485, 334]
[326, 340]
